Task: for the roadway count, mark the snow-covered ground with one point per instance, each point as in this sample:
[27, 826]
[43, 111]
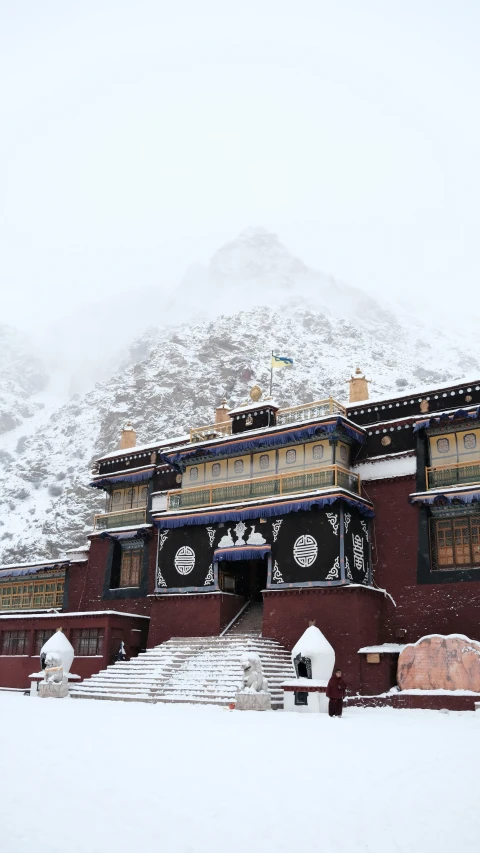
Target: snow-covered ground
[109, 777]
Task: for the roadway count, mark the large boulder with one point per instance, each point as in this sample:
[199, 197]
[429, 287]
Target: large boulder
[439, 662]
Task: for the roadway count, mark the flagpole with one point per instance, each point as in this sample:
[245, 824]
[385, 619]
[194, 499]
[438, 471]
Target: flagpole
[271, 373]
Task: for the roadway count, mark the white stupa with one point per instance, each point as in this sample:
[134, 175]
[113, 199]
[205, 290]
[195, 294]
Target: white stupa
[313, 659]
[315, 646]
[58, 643]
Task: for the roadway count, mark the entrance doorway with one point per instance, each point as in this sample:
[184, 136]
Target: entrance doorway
[243, 577]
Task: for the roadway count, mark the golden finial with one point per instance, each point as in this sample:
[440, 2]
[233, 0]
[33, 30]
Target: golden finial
[255, 393]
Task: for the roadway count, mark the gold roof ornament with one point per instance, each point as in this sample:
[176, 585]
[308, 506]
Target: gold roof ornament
[255, 393]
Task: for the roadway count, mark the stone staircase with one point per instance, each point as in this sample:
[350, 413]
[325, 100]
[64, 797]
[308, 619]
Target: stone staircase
[201, 670]
[250, 622]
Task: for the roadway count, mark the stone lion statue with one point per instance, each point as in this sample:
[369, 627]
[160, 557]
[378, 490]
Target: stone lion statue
[53, 668]
[254, 680]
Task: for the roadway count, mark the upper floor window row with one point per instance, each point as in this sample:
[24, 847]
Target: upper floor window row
[31, 594]
[132, 498]
[455, 447]
[268, 462]
[469, 442]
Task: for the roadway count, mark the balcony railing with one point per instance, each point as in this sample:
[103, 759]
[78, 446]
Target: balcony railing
[308, 411]
[212, 431]
[264, 487]
[293, 415]
[107, 520]
[453, 475]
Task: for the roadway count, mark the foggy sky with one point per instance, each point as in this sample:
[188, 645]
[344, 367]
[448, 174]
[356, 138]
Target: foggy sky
[137, 137]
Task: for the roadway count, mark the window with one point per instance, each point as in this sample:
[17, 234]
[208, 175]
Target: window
[87, 641]
[301, 697]
[318, 452]
[238, 466]
[264, 461]
[216, 469]
[41, 638]
[291, 457]
[131, 563]
[343, 453]
[303, 666]
[194, 473]
[124, 499]
[469, 441]
[456, 542]
[14, 642]
[31, 594]
[443, 445]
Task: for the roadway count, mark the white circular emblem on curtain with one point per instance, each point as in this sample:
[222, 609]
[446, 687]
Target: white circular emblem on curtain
[305, 551]
[184, 560]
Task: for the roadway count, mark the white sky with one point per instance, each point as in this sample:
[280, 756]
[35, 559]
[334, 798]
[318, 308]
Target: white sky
[137, 137]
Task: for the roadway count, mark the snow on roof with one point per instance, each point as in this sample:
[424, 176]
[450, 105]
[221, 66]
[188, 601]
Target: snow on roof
[384, 469]
[446, 490]
[385, 648]
[71, 613]
[244, 436]
[119, 529]
[34, 567]
[247, 407]
[238, 505]
[421, 392]
[110, 475]
[312, 642]
[443, 637]
[153, 445]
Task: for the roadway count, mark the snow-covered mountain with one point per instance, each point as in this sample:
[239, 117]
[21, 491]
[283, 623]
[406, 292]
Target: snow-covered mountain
[175, 376]
[22, 377]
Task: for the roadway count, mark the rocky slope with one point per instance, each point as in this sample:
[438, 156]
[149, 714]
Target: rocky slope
[175, 376]
[22, 376]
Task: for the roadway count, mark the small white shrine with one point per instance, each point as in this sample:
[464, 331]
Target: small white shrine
[313, 658]
[56, 657]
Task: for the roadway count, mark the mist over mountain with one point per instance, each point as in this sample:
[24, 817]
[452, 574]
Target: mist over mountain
[217, 331]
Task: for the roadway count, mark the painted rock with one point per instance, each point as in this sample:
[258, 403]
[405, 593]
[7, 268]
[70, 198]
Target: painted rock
[438, 662]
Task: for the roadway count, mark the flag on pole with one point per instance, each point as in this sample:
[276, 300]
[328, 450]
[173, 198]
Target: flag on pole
[281, 361]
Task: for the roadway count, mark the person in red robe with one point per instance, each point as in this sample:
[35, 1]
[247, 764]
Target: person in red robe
[336, 689]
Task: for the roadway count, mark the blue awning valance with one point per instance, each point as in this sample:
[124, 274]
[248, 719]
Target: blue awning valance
[266, 439]
[128, 534]
[246, 552]
[127, 477]
[265, 510]
[455, 496]
[443, 419]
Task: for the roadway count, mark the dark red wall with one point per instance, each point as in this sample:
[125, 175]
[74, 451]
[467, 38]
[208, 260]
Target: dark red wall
[191, 615]
[445, 608]
[86, 582]
[15, 669]
[350, 617]
[434, 702]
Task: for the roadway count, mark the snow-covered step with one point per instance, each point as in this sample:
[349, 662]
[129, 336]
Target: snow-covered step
[202, 670]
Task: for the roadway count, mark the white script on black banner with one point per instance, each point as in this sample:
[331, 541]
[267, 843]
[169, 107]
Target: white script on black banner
[305, 550]
[358, 557]
[184, 561]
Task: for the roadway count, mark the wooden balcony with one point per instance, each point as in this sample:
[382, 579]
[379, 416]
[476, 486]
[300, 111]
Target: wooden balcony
[264, 487]
[453, 475]
[308, 411]
[124, 518]
[293, 415]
